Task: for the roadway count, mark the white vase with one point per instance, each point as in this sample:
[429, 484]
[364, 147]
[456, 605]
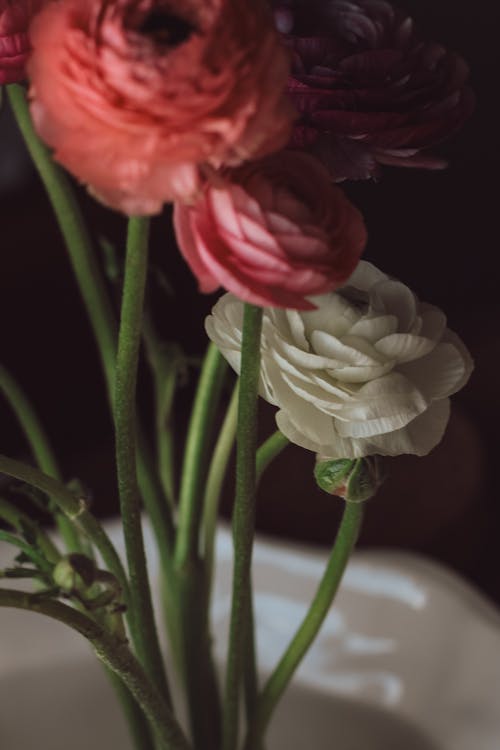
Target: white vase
[408, 659]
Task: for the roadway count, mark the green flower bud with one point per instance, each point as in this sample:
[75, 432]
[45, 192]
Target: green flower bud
[74, 573]
[355, 480]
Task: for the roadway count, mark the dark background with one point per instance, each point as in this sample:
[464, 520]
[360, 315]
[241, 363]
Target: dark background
[435, 231]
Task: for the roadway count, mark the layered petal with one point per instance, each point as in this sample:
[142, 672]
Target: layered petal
[369, 90]
[274, 233]
[140, 98]
[350, 381]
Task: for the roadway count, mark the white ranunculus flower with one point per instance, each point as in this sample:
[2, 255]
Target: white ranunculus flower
[369, 371]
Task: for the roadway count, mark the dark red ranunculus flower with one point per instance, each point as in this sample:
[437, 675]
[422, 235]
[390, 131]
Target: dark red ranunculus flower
[369, 91]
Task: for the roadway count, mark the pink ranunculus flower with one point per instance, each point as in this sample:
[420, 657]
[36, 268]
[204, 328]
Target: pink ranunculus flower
[369, 89]
[138, 97]
[276, 232]
[15, 18]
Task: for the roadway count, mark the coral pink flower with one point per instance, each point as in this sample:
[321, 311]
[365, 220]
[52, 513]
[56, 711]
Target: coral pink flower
[275, 233]
[136, 96]
[15, 17]
[369, 90]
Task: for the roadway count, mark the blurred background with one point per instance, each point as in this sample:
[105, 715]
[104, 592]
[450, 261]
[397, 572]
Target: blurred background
[437, 232]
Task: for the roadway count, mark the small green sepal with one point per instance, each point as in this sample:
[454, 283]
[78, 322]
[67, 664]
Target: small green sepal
[355, 480]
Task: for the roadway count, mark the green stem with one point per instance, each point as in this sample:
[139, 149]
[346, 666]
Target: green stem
[195, 455]
[144, 628]
[268, 451]
[19, 520]
[197, 666]
[215, 480]
[139, 728]
[243, 518]
[40, 447]
[164, 362]
[192, 627]
[96, 299]
[94, 293]
[76, 511]
[115, 655]
[273, 690]
[251, 684]
[75, 233]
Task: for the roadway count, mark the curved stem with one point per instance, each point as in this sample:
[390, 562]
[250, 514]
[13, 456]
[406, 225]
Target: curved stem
[75, 234]
[144, 628]
[97, 303]
[30, 424]
[115, 655]
[243, 518]
[40, 447]
[273, 690]
[76, 511]
[197, 444]
[215, 479]
[94, 293]
[268, 451]
[139, 728]
[164, 360]
[192, 596]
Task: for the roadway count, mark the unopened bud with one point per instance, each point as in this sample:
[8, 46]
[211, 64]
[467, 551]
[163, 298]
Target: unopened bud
[74, 573]
[355, 480]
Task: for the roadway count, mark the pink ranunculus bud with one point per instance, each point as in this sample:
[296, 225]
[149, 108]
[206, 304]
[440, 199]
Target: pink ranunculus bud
[15, 18]
[138, 97]
[277, 232]
[368, 89]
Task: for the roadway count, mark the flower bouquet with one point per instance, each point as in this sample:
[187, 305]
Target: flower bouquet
[245, 116]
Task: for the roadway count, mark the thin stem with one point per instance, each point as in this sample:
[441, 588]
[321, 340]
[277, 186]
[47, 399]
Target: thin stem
[40, 447]
[75, 234]
[251, 684]
[192, 627]
[216, 474]
[30, 424]
[76, 511]
[94, 293]
[268, 451]
[273, 690]
[164, 363]
[97, 303]
[144, 628]
[243, 518]
[197, 666]
[195, 454]
[139, 728]
[115, 655]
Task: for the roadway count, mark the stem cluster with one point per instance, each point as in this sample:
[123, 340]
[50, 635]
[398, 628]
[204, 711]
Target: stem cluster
[186, 543]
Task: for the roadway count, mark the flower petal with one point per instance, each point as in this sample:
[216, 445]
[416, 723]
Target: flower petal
[403, 347]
